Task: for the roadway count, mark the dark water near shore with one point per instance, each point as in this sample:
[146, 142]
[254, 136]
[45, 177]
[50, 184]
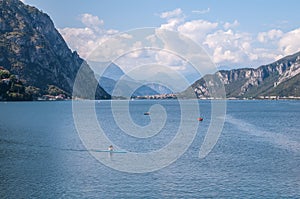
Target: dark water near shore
[257, 155]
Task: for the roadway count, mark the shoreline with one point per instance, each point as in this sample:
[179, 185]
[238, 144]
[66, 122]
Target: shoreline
[201, 99]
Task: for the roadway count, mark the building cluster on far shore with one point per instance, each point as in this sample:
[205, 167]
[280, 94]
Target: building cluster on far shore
[162, 96]
[59, 97]
[273, 97]
[173, 96]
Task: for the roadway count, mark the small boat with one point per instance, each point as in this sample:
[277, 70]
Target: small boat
[200, 119]
[147, 113]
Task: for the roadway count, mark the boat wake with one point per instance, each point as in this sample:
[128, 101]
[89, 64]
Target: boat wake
[279, 140]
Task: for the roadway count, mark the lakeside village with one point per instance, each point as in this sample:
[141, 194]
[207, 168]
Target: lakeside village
[170, 97]
[174, 96]
[13, 89]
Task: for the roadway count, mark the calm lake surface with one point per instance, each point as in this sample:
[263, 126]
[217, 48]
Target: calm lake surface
[256, 156]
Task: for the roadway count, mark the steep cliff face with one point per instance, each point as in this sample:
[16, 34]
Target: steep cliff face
[33, 49]
[280, 78]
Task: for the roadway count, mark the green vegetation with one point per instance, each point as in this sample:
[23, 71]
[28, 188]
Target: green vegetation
[13, 89]
[280, 79]
[34, 92]
[54, 90]
[290, 87]
[4, 74]
[37, 63]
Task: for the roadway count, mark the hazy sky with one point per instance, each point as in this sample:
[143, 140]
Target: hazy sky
[234, 33]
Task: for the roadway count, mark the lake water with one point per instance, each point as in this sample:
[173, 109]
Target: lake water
[256, 156]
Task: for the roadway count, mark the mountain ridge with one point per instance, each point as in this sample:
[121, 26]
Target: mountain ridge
[263, 81]
[35, 61]
[33, 49]
[113, 76]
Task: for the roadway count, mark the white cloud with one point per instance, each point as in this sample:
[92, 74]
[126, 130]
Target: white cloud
[230, 47]
[111, 31]
[273, 34]
[243, 49]
[225, 38]
[171, 14]
[201, 11]
[174, 19]
[166, 58]
[228, 25]
[136, 50]
[91, 21]
[80, 39]
[222, 40]
[197, 29]
[85, 40]
[172, 24]
[221, 55]
[226, 46]
[290, 42]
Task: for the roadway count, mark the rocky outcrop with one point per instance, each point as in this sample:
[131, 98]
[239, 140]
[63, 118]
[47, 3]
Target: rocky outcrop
[280, 78]
[32, 48]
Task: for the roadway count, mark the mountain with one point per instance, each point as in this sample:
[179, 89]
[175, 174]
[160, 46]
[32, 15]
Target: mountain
[113, 71]
[160, 89]
[33, 50]
[113, 75]
[281, 78]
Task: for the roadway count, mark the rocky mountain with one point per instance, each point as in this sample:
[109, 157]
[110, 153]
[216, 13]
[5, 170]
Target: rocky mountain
[281, 78]
[159, 88]
[34, 51]
[124, 88]
[113, 73]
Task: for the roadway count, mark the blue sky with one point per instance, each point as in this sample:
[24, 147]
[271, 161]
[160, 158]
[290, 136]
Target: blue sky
[234, 33]
[253, 15]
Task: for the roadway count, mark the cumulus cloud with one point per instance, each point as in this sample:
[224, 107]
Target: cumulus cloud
[222, 40]
[171, 14]
[90, 20]
[174, 19]
[264, 37]
[85, 40]
[228, 46]
[197, 29]
[228, 25]
[166, 58]
[238, 48]
[172, 24]
[290, 42]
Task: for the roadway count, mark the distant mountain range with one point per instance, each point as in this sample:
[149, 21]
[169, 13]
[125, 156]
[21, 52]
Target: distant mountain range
[117, 83]
[35, 62]
[281, 78]
[32, 50]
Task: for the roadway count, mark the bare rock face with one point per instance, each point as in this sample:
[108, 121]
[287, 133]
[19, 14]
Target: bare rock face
[32, 49]
[280, 78]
